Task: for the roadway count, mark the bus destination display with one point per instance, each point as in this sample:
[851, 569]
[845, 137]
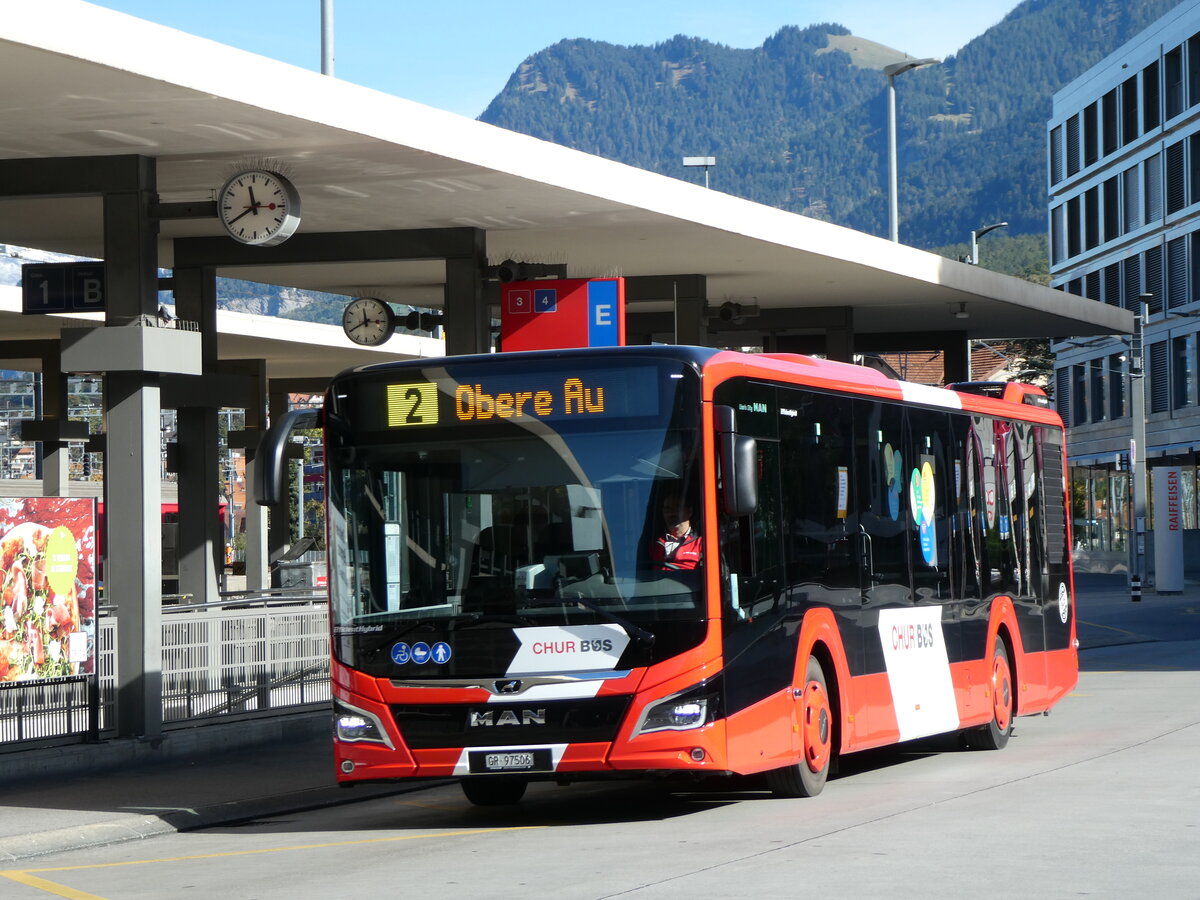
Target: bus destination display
[563, 395]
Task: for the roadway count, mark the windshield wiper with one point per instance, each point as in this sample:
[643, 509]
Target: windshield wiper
[641, 635]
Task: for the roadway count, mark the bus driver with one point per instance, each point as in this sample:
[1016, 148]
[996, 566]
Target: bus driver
[679, 547]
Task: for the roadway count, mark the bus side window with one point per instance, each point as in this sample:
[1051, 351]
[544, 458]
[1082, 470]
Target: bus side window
[880, 468]
[929, 481]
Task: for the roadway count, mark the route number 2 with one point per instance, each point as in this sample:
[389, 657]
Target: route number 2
[412, 404]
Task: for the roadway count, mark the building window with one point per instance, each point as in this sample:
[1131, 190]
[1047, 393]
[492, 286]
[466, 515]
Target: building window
[1194, 165]
[1058, 233]
[1091, 217]
[1173, 82]
[1153, 264]
[1153, 188]
[1111, 192]
[1109, 130]
[1079, 408]
[1132, 199]
[1073, 245]
[1056, 155]
[1183, 374]
[1096, 386]
[1091, 285]
[1072, 145]
[1177, 272]
[1150, 111]
[1117, 398]
[1129, 111]
[1194, 241]
[1159, 375]
[1132, 271]
[1193, 66]
[1091, 133]
[1176, 182]
[1062, 393]
[1112, 284]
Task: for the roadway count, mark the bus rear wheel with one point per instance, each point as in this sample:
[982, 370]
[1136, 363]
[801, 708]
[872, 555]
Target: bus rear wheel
[994, 735]
[807, 777]
[494, 790]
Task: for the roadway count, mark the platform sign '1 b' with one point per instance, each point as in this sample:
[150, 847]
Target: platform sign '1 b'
[62, 287]
[560, 313]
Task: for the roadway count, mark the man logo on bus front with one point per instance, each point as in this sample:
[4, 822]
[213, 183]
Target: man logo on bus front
[508, 687]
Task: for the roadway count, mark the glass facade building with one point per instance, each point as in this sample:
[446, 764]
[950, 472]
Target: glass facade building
[1124, 218]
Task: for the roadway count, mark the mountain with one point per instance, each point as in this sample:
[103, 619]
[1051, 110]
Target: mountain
[801, 123]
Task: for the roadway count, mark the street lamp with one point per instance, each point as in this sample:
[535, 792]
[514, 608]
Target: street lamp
[1137, 447]
[891, 72]
[973, 258]
[705, 162]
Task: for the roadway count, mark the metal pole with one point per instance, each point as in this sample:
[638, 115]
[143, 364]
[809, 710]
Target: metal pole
[1137, 453]
[974, 248]
[300, 500]
[893, 189]
[327, 37]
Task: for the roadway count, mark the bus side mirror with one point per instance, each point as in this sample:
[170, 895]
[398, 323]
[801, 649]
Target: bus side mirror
[739, 465]
[270, 461]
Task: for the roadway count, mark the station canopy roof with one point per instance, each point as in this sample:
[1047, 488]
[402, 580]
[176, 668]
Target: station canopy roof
[78, 80]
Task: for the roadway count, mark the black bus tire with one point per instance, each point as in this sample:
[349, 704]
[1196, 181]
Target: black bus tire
[994, 735]
[494, 790]
[807, 777]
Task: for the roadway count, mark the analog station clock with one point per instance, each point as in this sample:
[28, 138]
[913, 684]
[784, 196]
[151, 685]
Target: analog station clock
[259, 207]
[368, 321]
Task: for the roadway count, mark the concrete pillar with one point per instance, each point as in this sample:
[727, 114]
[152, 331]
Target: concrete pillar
[956, 350]
[467, 321]
[201, 540]
[133, 568]
[691, 326]
[258, 574]
[56, 469]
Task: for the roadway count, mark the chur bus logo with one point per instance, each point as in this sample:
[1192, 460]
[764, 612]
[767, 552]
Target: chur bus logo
[488, 718]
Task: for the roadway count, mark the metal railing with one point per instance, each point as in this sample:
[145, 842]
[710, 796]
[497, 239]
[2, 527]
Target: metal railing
[251, 653]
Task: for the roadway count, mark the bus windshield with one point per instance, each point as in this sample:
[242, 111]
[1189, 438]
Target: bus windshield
[469, 518]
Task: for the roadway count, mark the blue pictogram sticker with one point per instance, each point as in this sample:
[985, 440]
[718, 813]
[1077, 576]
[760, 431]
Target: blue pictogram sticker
[400, 653]
[545, 300]
[441, 652]
[420, 653]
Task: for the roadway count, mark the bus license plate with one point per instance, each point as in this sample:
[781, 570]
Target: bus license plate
[510, 761]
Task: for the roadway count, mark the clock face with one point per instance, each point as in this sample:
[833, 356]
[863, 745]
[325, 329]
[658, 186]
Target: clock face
[259, 207]
[368, 321]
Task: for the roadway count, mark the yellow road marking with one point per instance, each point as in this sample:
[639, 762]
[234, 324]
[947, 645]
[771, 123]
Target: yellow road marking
[24, 876]
[48, 886]
[1109, 627]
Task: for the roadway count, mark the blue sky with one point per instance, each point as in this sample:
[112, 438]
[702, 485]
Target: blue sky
[457, 55]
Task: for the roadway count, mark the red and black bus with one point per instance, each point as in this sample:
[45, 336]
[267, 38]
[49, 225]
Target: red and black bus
[879, 561]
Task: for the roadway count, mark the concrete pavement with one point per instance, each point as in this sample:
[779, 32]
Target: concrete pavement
[78, 796]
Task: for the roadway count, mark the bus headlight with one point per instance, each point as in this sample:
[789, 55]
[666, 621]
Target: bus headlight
[353, 725]
[682, 712]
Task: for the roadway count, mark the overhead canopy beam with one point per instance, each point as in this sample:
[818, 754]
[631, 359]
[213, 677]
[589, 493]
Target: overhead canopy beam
[334, 246]
[71, 176]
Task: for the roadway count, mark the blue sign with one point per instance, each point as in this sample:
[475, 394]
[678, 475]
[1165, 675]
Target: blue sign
[545, 300]
[400, 653]
[420, 653]
[604, 313]
[441, 652]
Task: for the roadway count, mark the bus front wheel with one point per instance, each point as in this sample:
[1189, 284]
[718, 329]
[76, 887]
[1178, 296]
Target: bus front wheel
[807, 777]
[494, 790]
[994, 735]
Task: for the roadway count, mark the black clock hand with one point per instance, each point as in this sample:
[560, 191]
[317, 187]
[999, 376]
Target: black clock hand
[254, 204]
[245, 212]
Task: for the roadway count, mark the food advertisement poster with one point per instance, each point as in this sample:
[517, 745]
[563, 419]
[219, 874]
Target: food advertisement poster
[47, 587]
